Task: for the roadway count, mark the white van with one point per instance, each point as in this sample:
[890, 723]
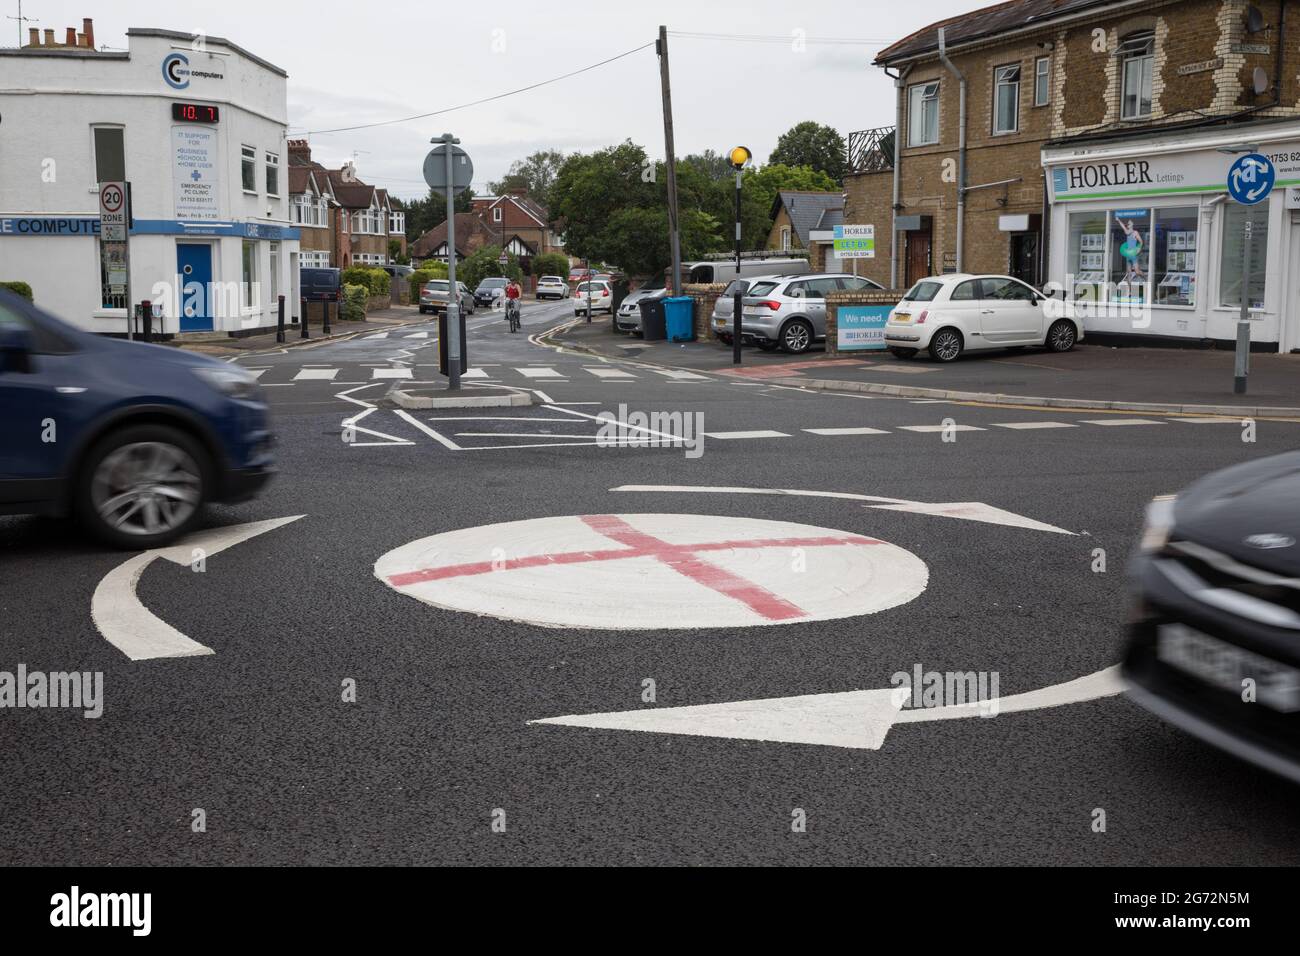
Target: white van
[723, 270]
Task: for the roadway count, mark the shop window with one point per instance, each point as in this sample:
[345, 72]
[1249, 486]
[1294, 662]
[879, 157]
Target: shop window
[249, 273]
[110, 154]
[1137, 60]
[1086, 264]
[1235, 217]
[1006, 99]
[1130, 255]
[112, 264]
[1175, 237]
[248, 168]
[923, 114]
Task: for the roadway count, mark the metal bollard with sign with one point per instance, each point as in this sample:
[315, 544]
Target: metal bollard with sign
[1250, 180]
[447, 168]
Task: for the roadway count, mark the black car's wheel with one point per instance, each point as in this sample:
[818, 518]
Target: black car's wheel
[796, 336]
[1061, 336]
[899, 352]
[143, 486]
[946, 345]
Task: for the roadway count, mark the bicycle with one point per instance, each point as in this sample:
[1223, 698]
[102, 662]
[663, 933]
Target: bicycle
[512, 314]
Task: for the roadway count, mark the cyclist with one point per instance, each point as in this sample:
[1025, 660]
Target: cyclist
[513, 292]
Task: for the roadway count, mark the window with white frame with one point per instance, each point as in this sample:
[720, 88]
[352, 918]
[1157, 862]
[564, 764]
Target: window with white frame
[923, 114]
[397, 221]
[110, 154]
[249, 276]
[272, 174]
[496, 214]
[313, 260]
[308, 210]
[1006, 99]
[248, 168]
[1042, 81]
[1137, 60]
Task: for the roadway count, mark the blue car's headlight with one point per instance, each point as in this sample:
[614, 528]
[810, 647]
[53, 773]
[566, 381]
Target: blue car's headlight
[231, 381]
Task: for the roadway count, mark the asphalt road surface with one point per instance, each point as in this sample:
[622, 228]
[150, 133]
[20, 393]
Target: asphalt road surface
[976, 530]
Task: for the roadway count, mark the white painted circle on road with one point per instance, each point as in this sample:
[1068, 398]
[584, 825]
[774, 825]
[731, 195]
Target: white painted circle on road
[640, 571]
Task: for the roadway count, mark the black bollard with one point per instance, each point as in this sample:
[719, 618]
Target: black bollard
[279, 320]
[303, 330]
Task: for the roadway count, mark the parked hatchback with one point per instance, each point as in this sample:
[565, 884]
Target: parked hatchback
[491, 290]
[596, 295]
[552, 287]
[950, 314]
[786, 311]
[435, 295]
[628, 318]
[132, 439]
[1214, 646]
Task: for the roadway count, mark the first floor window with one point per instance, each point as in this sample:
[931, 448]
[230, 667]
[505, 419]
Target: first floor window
[1006, 99]
[249, 273]
[272, 174]
[1174, 271]
[1042, 80]
[248, 168]
[1235, 220]
[923, 114]
[1137, 61]
[110, 154]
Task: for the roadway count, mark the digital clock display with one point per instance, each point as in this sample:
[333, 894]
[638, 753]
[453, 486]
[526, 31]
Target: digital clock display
[195, 113]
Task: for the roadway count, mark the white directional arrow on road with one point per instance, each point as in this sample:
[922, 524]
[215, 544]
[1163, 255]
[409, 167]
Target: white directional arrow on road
[857, 719]
[135, 630]
[969, 510]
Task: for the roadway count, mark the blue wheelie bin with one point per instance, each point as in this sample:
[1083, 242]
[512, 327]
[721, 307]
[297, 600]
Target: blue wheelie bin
[679, 318]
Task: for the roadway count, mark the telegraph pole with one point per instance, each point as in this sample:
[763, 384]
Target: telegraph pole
[670, 160]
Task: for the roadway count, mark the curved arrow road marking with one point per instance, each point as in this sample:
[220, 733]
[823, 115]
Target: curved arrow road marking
[858, 719]
[135, 630]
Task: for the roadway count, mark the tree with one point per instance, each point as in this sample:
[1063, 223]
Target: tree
[536, 174]
[483, 263]
[395, 252]
[423, 214]
[812, 144]
[551, 264]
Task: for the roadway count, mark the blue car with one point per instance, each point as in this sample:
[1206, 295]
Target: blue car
[132, 439]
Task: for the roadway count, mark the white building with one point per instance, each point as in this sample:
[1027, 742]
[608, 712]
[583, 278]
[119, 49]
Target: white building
[1143, 225]
[197, 126]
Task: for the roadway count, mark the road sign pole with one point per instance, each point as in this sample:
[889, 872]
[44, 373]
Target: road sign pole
[738, 296]
[1242, 364]
[453, 295]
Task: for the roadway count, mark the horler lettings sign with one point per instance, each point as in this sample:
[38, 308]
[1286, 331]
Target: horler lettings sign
[1201, 171]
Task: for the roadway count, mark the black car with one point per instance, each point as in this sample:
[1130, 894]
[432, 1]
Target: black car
[1215, 644]
[490, 290]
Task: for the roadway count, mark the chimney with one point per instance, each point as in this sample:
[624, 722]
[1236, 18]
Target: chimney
[88, 28]
[70, 37]
[33, 36]
[49, 36]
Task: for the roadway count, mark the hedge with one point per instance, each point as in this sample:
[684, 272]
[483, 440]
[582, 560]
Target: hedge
[430, 270]
[376, 280]
[18, 288]
[353, 307]
[551, 264]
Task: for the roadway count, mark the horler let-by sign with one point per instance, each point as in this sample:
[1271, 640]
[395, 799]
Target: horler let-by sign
[1201, 171]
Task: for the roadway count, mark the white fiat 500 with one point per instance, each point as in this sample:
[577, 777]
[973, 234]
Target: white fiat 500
[950, 314]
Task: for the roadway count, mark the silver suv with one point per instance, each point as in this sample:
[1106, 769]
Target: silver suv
[785, 311]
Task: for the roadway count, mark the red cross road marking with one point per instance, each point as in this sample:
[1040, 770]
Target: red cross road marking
[682, 558]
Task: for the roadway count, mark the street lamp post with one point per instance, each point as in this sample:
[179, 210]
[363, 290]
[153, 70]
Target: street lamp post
[740, 157]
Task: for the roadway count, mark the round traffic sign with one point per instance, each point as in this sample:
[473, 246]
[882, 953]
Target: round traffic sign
[653, 571]
[1251, 178]
[435, 168]
[111, 197]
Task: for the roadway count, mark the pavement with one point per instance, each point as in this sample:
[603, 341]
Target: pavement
[397, 673]
[223, 345]
[1173, 381]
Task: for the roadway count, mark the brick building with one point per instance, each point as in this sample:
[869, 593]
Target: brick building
[1088, 121]
[472, 234]
[805, 219]
[519, 224]
[344, 221]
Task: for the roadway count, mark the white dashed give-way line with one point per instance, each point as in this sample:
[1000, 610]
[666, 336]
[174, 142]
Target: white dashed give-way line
[135, 630]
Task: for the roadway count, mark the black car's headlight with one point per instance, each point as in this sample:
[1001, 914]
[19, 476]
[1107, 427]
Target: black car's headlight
[230, 381]
[1159, 524]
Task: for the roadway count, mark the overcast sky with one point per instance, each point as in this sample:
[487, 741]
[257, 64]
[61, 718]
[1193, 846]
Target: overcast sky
[353, 63]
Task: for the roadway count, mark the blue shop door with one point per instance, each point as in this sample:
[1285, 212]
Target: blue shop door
[194, 265]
